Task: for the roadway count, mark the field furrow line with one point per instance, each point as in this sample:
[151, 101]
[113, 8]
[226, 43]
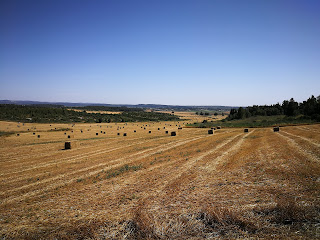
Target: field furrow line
[174, 176]
[194, 161]
[61, 181]
[303, 138]
[309, 155]
[54, 162]
[308, 129]
[235, 148]
[74, 158]
[16, 158]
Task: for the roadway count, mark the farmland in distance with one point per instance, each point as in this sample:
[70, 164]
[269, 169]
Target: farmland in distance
[151, 185]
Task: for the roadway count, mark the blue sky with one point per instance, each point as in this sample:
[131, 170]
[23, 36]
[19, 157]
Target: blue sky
[164, 52]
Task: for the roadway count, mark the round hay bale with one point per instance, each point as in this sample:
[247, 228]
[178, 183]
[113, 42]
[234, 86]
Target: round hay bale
[276, 129]
[67, 145]
[246, 130]
[118, 134]
[210, 131]
[18, 134]
[158, 128]
[218, 127]
[69, 136]
[38, 136]
[173, 133]
[34, 133]
[97, 134]
[124, 134]
[167, 132]
[134, 131]
[149, 131]
[104, 132]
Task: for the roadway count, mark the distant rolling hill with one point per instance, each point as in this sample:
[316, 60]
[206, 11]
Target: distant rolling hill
[145, 106]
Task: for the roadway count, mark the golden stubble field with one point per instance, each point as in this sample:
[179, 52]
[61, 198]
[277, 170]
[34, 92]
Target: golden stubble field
[145, 185]
[193, 117]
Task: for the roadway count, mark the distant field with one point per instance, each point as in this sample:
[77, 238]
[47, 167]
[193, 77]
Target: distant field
[101, 112]
[227, 185]
[193, 117]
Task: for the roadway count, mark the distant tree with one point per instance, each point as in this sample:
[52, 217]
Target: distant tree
[241, 113]
[285, 107]
[232, 114]
[247, 113]
[216, 114]
[293, 108]
[309, 107]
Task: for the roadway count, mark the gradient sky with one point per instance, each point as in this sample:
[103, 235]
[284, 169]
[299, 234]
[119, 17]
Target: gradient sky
[200, 52]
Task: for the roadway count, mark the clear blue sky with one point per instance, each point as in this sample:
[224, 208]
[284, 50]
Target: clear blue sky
[200, 52]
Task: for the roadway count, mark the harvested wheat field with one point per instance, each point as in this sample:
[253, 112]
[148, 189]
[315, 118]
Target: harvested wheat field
[193, 117]
[194, 185]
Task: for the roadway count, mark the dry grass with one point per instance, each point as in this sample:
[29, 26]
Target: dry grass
[193, 117]
[228, 185]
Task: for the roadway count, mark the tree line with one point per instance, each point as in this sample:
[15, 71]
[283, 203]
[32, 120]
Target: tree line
[44, 114]
[109, 109]
[207, 114]
[309, 109]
